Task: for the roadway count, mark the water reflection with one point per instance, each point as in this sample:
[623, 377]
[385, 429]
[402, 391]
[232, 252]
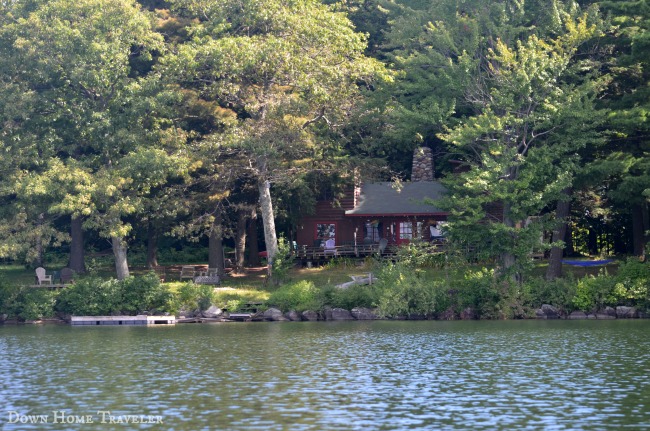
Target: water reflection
[334, 376]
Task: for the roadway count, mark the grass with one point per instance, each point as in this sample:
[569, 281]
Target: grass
[252, 286]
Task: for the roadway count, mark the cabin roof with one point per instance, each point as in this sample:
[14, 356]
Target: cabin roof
[387, 199]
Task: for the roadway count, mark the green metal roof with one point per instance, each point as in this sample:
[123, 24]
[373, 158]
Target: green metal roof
[387, 199]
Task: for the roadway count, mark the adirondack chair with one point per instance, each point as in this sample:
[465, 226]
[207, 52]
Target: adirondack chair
[67, 275]
[330, 247]
[41, 277]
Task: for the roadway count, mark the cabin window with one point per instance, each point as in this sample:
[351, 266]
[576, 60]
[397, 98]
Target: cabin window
[405, 230]
[325, 231]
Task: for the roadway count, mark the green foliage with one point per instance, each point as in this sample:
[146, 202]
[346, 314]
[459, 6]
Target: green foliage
[421, 254]
[357, 295]
[94, 296]
[559, 293]
[593, 293]
[404, 291]
[633, 281]
[90, 296]
[26, 303]
[145, 293]
[299, 296]
[283, 261]
[192, 296]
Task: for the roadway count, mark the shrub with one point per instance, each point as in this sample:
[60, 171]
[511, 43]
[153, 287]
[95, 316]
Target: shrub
[299, 296]
[593, 293]
[559, 293]
[192, 296]
[26, 303]
[420, 254]
[283, 261]
[145, 293]
[402, 291]
[633, 278]
[93, 296]
[35, 304]
[90, 296]
[357, 295]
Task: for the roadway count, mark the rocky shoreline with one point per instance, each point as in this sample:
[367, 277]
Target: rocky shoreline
[215, 314]
[546, 312]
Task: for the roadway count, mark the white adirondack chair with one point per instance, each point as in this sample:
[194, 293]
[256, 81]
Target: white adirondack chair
[41, 277]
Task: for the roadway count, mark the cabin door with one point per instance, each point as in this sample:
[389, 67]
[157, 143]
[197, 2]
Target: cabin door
[403, 232]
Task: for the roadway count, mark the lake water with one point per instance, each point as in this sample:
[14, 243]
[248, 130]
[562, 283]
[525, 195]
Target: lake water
[505, 375]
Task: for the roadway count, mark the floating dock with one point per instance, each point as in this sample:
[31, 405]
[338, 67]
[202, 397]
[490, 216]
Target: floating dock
[141, 320]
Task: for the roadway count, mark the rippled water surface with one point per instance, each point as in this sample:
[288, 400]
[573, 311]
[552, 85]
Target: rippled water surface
[533, 375]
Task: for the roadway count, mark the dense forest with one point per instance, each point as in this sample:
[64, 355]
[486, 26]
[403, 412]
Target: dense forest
[134, 122]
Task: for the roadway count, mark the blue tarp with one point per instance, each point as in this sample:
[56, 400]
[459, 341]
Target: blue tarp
[587, 262]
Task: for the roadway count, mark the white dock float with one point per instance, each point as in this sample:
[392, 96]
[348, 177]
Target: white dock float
[122, 320]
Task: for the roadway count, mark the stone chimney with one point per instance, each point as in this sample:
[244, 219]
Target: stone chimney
[422, 165]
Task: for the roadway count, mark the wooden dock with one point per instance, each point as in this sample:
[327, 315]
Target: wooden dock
[140, 320]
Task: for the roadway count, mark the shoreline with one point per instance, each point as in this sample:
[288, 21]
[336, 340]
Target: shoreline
[546, 312]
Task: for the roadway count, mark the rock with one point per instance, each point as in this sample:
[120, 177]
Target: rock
[604, 315]
[448, 314]
[468, 314]
[539, 314]
[3, 317]
[310, 315]
[550, 311]
[337, 314]
[610, 311]
[274, 315]
[212, 312]
[293, 316]
[578, 315]
[363, 314]
[626, 312]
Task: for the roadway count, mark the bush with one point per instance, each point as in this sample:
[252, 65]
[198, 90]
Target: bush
[490, 296]
[145, 293]
[632, 279]
[93, 296]
[593, 293]
[403, 291]
[420, 254]
[558, 293]
[299, 296]
[357, 295]
[26, 303]
[192, 296]
[90, 296]
[283, 261]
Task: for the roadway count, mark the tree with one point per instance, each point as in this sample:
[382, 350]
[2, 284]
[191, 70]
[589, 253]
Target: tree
[92, 127]
[524, 97]
[285, 68]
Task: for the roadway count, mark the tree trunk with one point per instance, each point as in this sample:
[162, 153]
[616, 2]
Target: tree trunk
[508, 259]
[554, 269]
[215, 246]
[639, 230]
[569, 249]
[119, 252]
[77, 261]
[240, 241]
[152, 246]
[268, 220]
[39, 260]
[251, 238]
